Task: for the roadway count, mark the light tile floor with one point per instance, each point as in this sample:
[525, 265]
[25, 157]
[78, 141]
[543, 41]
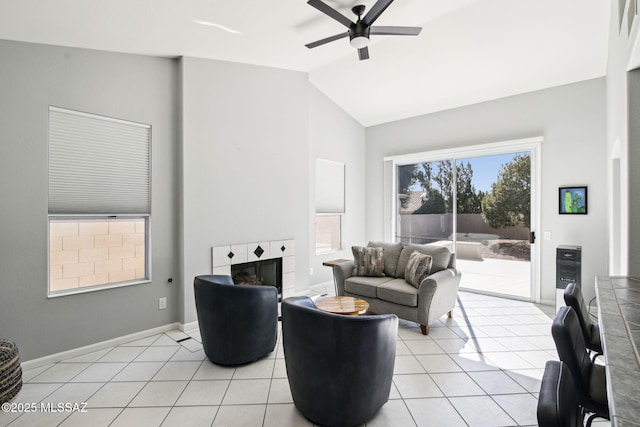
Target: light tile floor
[480, 368]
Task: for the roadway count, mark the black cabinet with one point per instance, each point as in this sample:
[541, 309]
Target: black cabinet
[568, 265]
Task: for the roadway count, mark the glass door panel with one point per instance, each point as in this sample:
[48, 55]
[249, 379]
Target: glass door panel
[493, 217]
[425, 203]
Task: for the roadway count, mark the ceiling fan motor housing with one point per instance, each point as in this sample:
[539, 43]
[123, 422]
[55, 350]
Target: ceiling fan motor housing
[360, 32]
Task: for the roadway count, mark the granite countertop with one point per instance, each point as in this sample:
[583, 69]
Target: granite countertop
[619, 319]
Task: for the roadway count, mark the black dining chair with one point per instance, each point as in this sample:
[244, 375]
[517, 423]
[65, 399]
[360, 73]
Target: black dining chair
[589, 378]
[591, 331]
[557, 402]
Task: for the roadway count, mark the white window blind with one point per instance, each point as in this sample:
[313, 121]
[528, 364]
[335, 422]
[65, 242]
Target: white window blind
[329, 186]
[98, 165]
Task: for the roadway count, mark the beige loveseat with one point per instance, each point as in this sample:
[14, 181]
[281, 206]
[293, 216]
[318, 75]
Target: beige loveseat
[434, 297]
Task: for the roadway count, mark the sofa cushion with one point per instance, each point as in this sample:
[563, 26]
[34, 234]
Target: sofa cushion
[398, 291]
[418, 267]
[441, 257]
[391, 256]
[367, 261]
[365, 286]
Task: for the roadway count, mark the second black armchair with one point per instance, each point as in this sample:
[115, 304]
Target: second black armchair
[339, 367]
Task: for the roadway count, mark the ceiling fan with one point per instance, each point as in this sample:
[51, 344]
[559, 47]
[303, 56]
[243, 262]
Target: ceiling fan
[360, 30]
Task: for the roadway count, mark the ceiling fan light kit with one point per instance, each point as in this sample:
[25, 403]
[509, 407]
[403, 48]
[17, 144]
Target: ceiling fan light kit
[359, 42]
[360, 30]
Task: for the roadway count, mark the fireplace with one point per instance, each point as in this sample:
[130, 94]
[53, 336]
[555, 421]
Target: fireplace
[274, 258]
[266, 272]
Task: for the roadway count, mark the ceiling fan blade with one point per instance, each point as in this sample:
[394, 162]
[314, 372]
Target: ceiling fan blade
[395, 31]
[327, 40]
[375, 12]
[331, 12]
[363, 53]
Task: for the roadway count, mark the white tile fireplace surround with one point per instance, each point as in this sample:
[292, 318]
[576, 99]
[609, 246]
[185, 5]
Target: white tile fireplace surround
[223, 257]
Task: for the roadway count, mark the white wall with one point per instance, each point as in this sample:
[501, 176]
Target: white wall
[571, 119]
[334, 135]
[245, 173]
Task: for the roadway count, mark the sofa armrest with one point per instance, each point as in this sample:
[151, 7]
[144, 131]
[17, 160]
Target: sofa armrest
[437, 294]
[341, 272]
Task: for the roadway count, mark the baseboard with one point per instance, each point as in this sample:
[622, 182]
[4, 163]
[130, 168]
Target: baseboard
[70, 354]
[322, 285]
[189, 327]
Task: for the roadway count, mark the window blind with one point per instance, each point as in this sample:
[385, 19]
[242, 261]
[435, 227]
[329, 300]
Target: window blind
[98, 165]
[329, 186]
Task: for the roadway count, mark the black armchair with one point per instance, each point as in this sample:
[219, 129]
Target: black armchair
[238, 324]
[339, 367]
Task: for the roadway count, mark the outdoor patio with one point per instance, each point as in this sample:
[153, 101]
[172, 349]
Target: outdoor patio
[499, 276]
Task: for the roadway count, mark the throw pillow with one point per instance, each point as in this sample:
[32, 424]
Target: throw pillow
[367, 261]
[418, 267]
[391, 255]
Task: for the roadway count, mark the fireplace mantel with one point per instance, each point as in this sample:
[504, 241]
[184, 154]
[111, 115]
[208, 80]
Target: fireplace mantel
[223, 257]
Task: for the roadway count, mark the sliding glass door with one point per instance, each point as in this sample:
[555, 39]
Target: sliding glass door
[479, 206]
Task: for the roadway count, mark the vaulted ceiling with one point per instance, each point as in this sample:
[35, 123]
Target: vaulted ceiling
[469, 51]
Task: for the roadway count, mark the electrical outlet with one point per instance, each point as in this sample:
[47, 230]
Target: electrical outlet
[547, 235]
[162, 303]
[311, 271]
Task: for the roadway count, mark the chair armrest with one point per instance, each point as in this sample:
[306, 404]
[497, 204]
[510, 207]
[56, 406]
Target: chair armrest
[437, 294]
[341, 272]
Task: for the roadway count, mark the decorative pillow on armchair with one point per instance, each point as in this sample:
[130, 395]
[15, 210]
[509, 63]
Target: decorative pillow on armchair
[418, 267]
[367, 261]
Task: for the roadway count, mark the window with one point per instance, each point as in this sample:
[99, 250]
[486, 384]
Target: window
[99, 202]
[96, 252]
[330, 203]
[328, 233]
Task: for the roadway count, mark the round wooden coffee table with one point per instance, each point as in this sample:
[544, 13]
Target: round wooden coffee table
[343, 305]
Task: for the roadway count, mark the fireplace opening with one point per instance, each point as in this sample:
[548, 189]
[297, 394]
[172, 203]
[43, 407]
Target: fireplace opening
[267, 272]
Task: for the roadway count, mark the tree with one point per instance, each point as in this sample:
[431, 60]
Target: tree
[509, 201]
[434, 204]
[440, 200]
[468, 200]
[406, 178]
[443, 179]
[424, 175]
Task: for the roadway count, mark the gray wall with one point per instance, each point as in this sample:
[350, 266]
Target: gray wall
[634, 171]
[623, 143]
[571, 119]
[334, 135]
[244, 163]
[232, 149]
[136, 88]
